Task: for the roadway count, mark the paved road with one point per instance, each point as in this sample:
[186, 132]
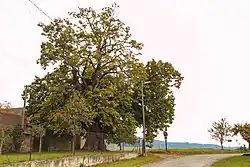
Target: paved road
[191, 161]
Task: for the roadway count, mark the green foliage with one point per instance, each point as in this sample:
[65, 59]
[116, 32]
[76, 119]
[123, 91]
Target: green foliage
[244, 131]
[18, 137]
[5, 138]
[158, 97]
[91, 54]
[72, 117]
[38, 130]
[220, 131]
[125, 132]
[96, 78]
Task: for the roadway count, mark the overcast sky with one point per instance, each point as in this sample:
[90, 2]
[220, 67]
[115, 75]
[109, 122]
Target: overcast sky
[206, 40]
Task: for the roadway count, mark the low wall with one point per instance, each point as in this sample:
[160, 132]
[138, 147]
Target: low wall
[75, 161]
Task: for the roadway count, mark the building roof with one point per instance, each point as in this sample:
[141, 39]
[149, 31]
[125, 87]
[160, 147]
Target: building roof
[17, 111]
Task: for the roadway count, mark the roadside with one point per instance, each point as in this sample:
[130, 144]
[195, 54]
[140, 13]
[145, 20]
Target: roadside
[236, 161]
[22, 157]
[194, 151]
[153, 156]
[205, 160]
[136, 162]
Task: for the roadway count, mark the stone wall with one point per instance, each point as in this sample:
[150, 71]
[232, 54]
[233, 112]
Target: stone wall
[75, 161]
[27, 143]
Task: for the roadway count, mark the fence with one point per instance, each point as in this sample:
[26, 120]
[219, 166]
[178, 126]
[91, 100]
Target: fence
[14, 139]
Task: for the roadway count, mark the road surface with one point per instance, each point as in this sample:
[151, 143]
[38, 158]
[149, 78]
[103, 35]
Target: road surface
[191, 160]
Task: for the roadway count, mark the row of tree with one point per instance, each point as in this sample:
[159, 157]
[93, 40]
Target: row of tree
[222, 131]
[95, 81]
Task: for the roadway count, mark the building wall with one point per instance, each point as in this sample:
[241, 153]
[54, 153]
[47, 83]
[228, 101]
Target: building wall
[8, 119]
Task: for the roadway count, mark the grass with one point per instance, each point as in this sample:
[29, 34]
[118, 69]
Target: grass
[136, 162]
[237, 161]
[193, 151]
[22, 157]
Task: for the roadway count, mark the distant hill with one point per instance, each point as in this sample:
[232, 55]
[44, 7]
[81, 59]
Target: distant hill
[161, 144]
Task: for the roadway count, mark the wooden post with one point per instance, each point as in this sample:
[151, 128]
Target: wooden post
[31, 144]
[24, 105]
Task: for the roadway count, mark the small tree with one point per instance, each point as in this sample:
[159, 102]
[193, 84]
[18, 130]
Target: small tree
[5, 107]
[244, 131]
[5, 135]
[18, 137]
[39, 131]
[4, 130]
[124, 132]
[220, 131]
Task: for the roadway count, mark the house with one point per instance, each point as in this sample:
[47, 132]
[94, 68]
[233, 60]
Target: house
[51, 142]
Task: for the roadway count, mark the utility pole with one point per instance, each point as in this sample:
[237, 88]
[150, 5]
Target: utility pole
[143, 123]
[24, 106]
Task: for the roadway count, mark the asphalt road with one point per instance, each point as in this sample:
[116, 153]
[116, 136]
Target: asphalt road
[191, 161]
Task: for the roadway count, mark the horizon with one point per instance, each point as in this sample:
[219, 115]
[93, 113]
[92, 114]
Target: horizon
[207, 41]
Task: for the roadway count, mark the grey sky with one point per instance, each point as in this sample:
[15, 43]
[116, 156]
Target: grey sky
[206, 40]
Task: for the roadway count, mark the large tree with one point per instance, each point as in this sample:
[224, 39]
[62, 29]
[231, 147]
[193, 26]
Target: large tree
[159, 100]
[220, 131]
[94, 55]
[244, 131]
[91, 53]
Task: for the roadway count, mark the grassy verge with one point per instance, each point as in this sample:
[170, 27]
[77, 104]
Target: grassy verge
[237, 161]
[136, 162]
[22, 157]
[193, 151]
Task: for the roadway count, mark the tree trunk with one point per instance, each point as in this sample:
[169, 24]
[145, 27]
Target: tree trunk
[74, 145]
[120, 145]
[1, 146]
[221, 144]
[95, 139]
[40, 144]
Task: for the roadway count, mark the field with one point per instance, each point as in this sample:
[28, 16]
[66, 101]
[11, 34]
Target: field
[237, 161]
[193, 151]
[13, 158]
[136, 162]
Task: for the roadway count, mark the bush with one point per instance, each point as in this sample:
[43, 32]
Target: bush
[18, 137]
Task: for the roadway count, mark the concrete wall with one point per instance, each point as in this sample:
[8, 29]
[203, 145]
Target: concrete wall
[75, 161]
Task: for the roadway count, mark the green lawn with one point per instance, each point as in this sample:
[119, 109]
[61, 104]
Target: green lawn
[192, 151]
[237, 161]
[13, 158]
[136, 162]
